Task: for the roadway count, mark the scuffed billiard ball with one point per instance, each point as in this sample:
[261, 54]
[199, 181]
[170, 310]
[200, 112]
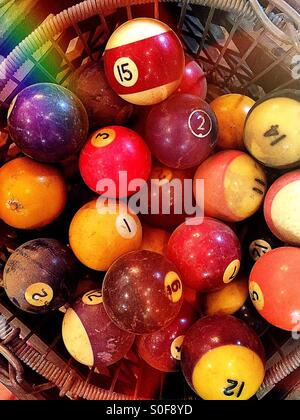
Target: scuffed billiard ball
[194, 80]
[222, 359]
[274, 287]
[40, 276]
[142, 292]
[90, 336]
[144, 61]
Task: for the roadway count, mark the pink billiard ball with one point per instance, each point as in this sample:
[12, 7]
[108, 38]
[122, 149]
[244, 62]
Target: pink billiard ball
[181, 131]
[162, 349]
[207, 254]
[194, 80]
[110, 151]
[144, 61]
[281, 208]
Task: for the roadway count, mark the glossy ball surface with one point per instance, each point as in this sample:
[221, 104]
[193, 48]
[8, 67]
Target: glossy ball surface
[234, 186]
[207, 254]
[272, 131]
[90, 336]
[231, 111]
[142, 292]
[222, 359]
[144, 61]
[274, 287]
[194, 80]
[182, 131]
[100, 234]
[110, 151]
[155, 239]
[162, 349]
[47, 122]
[281, 208]
[32, 194]
[40, 276]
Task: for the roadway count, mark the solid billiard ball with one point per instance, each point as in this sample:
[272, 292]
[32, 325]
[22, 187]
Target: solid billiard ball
[274, 287]
[272, 131]
[40, 276]
[281, 208]
[90, 336]
[155, 239]
[194, 80]
[118, 154]
[234, 186]
[144, 61]
[142, 292]
[100, 233]
[181, 131]
[231, 111]
[32, 194]
[162, 349]
[222, 359]
[207, 254]
[47, 122]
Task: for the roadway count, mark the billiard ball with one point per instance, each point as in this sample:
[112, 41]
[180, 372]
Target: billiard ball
[47, 122]
[167, 197]
[104, 107]
[281, 208]
[231, 111]
[272, 131]
[32, 194]
[194, 80]
[144, 61]
[252, 318]
[234, 186]
[207, 254]
[114, 153]
[101, 233]
[162, 349]
[40, 276]
[90, 336]
[227, 300]
[222, 359]
[142, 292]
[274, 287]
[181, 131]
[155, 239]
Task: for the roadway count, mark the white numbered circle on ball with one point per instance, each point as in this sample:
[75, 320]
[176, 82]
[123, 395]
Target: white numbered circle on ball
[200, 123]
[126, 71]
[126, 226]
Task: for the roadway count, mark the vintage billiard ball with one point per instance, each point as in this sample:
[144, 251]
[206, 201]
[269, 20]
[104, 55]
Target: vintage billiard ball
[207, 254]
[234, 186]
[231, 111]
[101, 233]
[47, 122]
[222, 359]
[144, 61]
[181, 131]
[142, 292]
[274, 287]
[32, 194]
[155, 239]
[167, 197]
[90, 336]
[227, 300]
[162, 349]
[104, 107]
[112, 153]
[194, 80]
[281, 208]
[40, 275]
[272, 131]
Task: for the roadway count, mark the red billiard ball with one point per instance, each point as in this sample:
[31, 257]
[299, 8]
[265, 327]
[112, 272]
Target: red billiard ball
[110, 151]
[222, 359]
[162, 349]
[194, 80]
[234, 186]
[207, 254]
[274, 287]
[144, 61]
[281, 208]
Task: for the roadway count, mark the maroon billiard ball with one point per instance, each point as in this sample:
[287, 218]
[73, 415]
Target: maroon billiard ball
[194, 80]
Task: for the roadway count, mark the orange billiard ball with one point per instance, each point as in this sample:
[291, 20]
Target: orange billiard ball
[155, 239]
